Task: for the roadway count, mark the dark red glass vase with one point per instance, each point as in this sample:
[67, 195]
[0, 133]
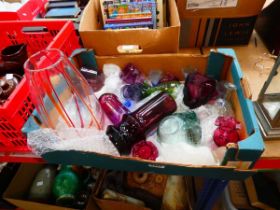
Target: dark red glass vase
[135, 125]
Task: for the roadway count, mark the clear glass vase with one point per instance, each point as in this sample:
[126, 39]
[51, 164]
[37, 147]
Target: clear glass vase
[60, 93]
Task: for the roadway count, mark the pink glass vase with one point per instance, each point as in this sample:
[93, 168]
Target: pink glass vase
[60, 93]
[112, 107]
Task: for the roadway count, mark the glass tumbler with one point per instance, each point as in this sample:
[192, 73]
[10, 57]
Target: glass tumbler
[60, 93]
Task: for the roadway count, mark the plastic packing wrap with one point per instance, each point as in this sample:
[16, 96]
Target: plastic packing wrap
[80, 139]
[207, 115]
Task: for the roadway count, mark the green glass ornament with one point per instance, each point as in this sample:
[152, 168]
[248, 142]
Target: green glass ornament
[168, 87]
[180, 127]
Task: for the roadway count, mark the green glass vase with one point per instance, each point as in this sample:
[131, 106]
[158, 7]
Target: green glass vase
[66, 186]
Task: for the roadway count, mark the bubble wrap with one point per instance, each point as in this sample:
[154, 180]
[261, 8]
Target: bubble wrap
[113, 82]
[207, 115]
[46, 140]
[183, 153]
[181, 107]
[205, 153]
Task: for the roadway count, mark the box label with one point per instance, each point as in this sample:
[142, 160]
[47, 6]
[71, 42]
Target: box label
[234, 31]
[207, 4]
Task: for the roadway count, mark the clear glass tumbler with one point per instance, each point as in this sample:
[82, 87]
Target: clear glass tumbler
[60, 93]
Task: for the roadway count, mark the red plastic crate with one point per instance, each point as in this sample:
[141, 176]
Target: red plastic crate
[27, 11]
[18, 107]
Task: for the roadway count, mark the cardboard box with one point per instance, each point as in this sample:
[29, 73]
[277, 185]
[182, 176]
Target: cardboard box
[204, 25]
[112, 204]
[106, 204]
[263, 192]
[106, 42]
[234, 160]
[18, 189]
[237, 195]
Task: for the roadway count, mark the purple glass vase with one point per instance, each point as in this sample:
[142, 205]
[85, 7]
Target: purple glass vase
[198, 90]
[135, 91]
[112, 107]
[93, 77]
[131, 74]
[135, 125]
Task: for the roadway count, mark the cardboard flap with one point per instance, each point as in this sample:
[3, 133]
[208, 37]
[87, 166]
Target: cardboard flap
[218, 65]
[174, 19]
[91, 20]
